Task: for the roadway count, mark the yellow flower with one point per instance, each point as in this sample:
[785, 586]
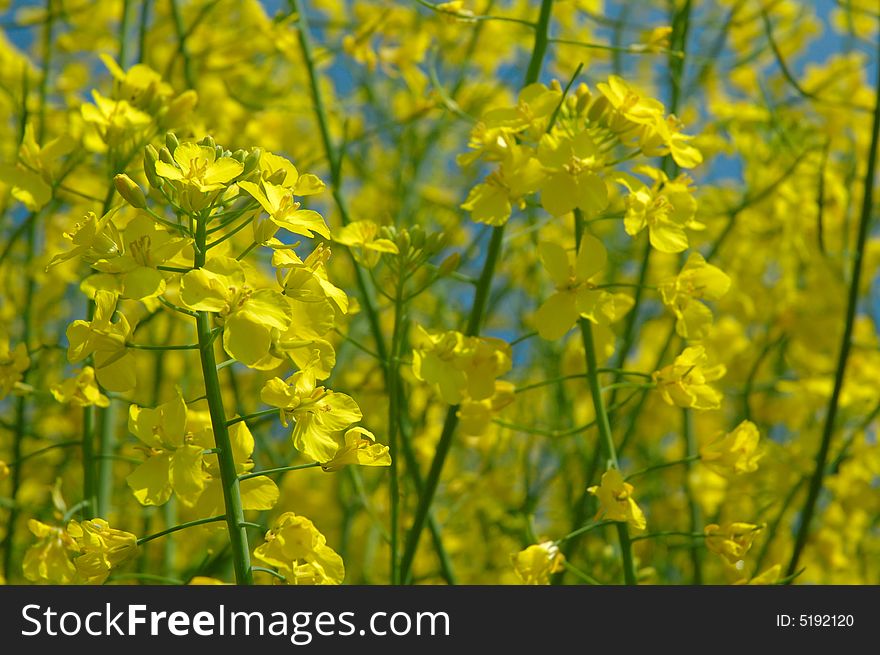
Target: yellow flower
[307, 280]
[300, 553]
[732, 541]
[363, 238]
[280, 170]
[576, 292]
[570, 164]
[682, 293]
[460, 366]
[31, 179]
[616, 501]
[318, 413]
[535, 105]
[537, 563]
[131, 267]
[102, 549]
[667, 208]
[475, 416]
[685, 381]
[284, 211]
[92, 239]
[50, 559]
[632, 105]
[116, 121]
[13, 363]
[734, 453]
[175, 454]
[198, 175]
[252, 319]
[518, 175]
[360, 448]
[106, 341]
[81, 390]
[257, 493]
[768, 577]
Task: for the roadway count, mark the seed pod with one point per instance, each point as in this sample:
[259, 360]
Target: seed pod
[171, 141]
[150, 159]
[598, 108]
[277, 177]
[130, 191]
[449, 264]
[251, 161]
[417, 237]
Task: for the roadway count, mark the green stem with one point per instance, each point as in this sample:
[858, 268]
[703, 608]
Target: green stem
[280, 469]
[104, 487]
[583, 530]
[815, 487]
[394, 408]
[605, 437]
[30, 286]
[182, 526]
[695, 517]
[228, 476]
[139, 346]
[124, 24]
[248, 417]
[333, 160]
[182, 47]
[664, 465]
[478, 309]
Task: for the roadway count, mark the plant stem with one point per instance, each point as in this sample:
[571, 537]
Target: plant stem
[182, 526]
[394, 408]
[606, 439]
[478, 309]
[280, 469]
[248, 417]
[815, 487]
[228, 476]
[696, 519]
[333, 160]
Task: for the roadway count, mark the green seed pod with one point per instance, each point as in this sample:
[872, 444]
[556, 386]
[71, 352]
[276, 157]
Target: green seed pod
[130, 191]
[598, 109]
[251, 161]
[417, 237]
[171, 141]
[449, 265]
[277, 177]
[150, 159]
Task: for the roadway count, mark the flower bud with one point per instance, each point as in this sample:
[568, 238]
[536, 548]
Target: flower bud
[165, 155]
[130, 191]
